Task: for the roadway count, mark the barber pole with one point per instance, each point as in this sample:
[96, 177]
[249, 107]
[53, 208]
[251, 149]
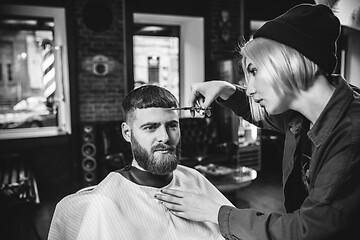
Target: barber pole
[48, 69]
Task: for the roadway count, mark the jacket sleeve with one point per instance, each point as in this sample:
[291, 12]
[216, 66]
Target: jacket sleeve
[244, 223]
[316, 221]
[331, 210]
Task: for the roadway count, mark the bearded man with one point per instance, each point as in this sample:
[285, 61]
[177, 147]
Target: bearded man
[123, 206]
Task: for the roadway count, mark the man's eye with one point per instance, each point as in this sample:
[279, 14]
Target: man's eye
[150, 128]
[173, 126]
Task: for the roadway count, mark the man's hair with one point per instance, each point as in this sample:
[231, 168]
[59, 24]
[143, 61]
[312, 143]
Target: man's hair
[147, 96]
[286, 69]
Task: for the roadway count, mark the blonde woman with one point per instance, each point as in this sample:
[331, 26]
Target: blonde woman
[290, 88]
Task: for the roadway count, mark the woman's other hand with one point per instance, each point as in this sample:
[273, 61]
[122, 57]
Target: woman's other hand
[204, 93]
[188, 205]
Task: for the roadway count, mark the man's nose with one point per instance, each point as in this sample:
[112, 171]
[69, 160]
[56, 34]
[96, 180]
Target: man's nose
[163, 135]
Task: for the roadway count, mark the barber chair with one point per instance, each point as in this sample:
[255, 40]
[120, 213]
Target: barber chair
[18, 194]
[199, 145]
[116, 151]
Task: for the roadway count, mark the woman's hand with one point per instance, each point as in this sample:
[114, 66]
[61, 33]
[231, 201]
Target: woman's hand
[204, 93]
[188, 205]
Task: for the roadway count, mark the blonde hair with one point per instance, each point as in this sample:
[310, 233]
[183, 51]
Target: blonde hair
[286, 69]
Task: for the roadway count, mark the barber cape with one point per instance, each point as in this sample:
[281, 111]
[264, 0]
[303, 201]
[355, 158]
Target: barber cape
[120, 209]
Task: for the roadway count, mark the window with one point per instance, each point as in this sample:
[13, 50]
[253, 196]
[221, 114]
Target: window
[34, 86]
[191, 48]
[156, 56]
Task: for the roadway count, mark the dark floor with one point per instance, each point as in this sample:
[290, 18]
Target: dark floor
[264, 194]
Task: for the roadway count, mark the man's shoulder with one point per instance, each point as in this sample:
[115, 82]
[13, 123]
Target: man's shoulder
[186, 169]
[75, 199]
[86, 194]
[189, 173]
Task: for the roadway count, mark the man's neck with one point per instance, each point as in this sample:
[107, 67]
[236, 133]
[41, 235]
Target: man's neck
[140, 176]
[134, 163]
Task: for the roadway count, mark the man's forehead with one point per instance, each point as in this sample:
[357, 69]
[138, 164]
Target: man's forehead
[155, 114]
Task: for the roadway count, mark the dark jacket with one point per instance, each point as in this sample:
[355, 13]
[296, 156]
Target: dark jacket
[329, 208]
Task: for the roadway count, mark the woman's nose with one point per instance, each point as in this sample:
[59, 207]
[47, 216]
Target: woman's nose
[250, 90]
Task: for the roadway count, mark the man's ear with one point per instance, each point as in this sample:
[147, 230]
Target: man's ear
[126, 131]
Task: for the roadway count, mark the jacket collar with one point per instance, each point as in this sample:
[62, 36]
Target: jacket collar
[333, 111]
[329, 117]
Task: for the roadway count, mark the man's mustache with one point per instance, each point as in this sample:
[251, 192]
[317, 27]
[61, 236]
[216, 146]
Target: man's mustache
[163, 147]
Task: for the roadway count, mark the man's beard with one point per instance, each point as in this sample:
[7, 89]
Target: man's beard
[160, 165]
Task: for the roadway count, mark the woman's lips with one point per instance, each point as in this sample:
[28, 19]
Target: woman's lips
[257, 100]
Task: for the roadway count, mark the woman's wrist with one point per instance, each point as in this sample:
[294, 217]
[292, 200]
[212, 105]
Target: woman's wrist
[228, 91]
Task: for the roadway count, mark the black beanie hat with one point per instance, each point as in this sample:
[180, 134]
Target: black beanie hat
[310, 29]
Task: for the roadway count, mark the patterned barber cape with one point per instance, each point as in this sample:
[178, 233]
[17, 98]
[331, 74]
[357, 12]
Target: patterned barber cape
[120, 209]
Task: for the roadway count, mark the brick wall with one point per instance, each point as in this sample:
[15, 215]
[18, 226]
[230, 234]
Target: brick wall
[225, 35]
[100, 97]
